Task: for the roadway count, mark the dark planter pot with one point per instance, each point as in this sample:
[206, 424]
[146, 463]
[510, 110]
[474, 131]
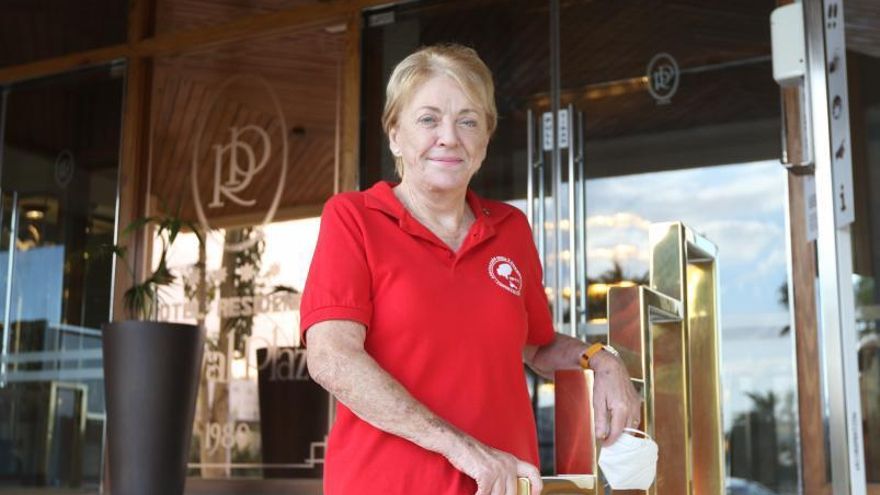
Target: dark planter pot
[151, 377]
[294, 414]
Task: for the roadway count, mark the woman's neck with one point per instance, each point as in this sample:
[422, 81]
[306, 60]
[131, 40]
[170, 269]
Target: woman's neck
[445, 213]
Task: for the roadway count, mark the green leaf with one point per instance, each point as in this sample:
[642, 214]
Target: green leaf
[162, 275]
[137, 224]
[105, 250]
[139, 300]
[173, 229]
[142, 300]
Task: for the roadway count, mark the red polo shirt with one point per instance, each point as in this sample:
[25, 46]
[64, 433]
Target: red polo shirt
[449, 326]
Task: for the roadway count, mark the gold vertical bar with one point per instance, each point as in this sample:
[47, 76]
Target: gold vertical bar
[523, 486]
[703, 334]
[628, 334]
[670, 362]
[646, 327]
[683, 266]
[666, 241]
[666, 400]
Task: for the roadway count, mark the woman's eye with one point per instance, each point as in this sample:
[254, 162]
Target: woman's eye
[427, 120]
[469, 123]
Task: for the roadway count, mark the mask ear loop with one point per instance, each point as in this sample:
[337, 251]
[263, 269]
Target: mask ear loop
[637, 432]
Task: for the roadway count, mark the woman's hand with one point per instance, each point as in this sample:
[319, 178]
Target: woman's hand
[495, 472]
[616, 404]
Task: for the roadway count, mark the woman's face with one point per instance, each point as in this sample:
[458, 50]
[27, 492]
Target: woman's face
[441, 136]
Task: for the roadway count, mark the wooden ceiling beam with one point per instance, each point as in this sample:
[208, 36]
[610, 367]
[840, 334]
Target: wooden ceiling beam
[301, 18]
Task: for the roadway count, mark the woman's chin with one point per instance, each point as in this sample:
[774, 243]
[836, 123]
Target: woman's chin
[447, 182]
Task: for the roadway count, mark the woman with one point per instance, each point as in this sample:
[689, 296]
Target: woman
[423, 300]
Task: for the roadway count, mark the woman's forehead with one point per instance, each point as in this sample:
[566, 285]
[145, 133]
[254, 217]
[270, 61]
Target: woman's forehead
[442, 93]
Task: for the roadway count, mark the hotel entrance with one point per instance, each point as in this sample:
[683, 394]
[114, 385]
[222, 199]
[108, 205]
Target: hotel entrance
[245, 117]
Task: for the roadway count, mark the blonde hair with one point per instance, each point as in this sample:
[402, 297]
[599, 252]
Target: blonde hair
[460, 63]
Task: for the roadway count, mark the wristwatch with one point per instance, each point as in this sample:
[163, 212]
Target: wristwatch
[592, 350]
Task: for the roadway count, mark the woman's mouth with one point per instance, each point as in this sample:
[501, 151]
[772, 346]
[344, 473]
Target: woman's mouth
[446, 160]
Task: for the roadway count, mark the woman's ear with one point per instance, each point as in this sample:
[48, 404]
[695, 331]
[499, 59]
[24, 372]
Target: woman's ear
[392, 142]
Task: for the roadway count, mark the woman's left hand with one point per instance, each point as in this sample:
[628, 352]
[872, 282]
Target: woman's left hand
[616, 404]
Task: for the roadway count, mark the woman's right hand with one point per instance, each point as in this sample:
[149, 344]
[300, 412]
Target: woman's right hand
[495, 471]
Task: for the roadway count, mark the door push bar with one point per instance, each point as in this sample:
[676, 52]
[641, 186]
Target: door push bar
[564, 264]
[668, 336]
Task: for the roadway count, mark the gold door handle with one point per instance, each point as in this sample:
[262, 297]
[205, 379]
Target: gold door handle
[584, 484]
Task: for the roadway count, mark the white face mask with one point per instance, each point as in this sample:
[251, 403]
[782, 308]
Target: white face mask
[630, 463]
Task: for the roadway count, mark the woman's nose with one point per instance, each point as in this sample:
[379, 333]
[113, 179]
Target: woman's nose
[447, 133]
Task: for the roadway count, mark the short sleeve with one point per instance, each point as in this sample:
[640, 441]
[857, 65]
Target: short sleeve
[540, 322]
[338, 286]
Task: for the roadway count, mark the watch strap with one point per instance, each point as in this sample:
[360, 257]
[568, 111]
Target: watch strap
[589, 353]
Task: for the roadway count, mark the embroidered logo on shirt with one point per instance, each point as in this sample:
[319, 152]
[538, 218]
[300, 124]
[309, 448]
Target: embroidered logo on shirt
[505, 273]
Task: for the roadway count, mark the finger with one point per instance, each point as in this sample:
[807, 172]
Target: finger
[618, 423]
[484, 488]
[510, 483]
[498, 487]
[537, 485]
[600, 415]
[526, 470]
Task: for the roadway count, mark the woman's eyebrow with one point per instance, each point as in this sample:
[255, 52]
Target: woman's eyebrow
[437, 110]
[426, 107]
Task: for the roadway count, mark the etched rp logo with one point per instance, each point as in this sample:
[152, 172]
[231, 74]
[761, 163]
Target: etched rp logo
[505, 273]
[65, 166]
[228, 157]
[663, 76]
[233, 159]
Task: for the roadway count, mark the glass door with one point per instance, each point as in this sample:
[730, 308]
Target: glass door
[856, 109]
[60, 155]
[676, 118]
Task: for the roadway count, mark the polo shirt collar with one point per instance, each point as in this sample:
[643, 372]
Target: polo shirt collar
[381, 197]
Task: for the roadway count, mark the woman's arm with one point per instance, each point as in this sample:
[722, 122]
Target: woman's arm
[338, 362]
[613, 392]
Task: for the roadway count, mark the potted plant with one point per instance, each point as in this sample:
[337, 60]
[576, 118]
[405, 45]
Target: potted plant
[151, 371]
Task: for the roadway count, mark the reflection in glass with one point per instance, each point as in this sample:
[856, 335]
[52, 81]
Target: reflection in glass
[251, 313]
[59, 182]
[244, 140]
